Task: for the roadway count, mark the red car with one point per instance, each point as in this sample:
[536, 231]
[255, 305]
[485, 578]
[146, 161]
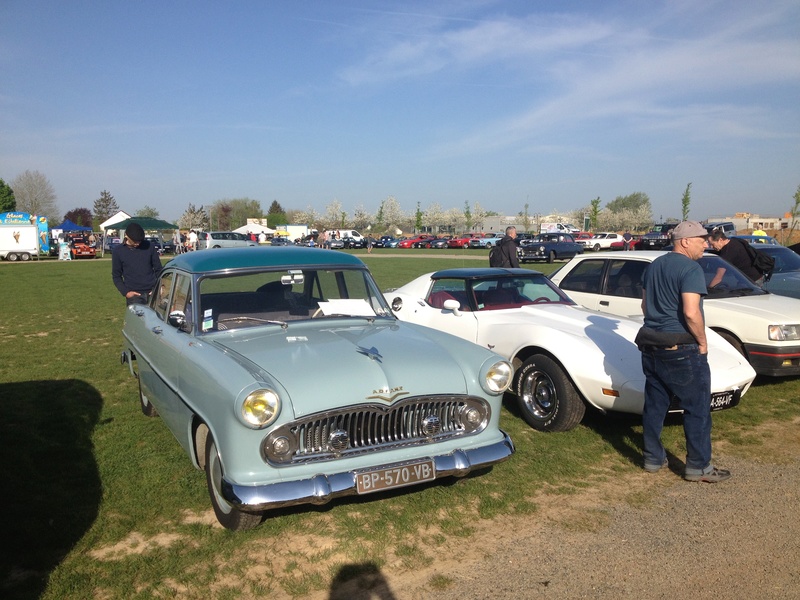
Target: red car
[636, 241]
[462, 241]
[79, 247]
[406, 243]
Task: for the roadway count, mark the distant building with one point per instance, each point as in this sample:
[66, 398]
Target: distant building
[748, 221]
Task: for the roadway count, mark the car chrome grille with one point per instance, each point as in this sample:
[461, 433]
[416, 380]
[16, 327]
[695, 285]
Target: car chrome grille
[369, 427]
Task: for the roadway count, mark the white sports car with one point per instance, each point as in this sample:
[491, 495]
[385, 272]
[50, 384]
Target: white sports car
[565, 356]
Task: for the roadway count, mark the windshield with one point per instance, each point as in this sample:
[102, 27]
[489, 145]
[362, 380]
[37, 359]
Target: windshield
[268, 298]
[513, 292]
[785, 260]
[734, 282]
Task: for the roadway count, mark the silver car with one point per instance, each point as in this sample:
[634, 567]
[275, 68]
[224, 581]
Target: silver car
[223, 239]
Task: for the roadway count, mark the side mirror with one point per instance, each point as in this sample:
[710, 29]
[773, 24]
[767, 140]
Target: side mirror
[177, 318]
[453, 305]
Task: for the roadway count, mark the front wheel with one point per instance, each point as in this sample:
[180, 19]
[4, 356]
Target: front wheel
[596, 248]
[551, 258]
[546, 397]
[228, 515]
[25, 256]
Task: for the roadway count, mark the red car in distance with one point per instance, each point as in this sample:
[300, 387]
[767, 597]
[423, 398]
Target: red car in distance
[462, 241]
[407, 242]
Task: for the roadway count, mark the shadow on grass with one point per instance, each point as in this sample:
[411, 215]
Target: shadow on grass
[52, 486]
[622, 431]
[362, 581]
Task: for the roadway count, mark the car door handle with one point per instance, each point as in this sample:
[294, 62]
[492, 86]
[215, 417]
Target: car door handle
[157, 330]
[603, 302]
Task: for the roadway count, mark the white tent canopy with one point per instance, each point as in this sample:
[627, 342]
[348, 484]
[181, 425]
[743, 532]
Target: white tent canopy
[254, 228]
[117, 218]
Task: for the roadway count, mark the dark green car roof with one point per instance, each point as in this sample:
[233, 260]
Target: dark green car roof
[219, 259]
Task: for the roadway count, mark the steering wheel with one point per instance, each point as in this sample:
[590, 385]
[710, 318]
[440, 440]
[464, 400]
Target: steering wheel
[541, 300]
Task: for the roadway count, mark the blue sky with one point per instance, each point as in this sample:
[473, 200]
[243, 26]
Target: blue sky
[502, 103]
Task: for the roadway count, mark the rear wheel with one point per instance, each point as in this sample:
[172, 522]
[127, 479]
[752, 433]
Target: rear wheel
[546, 397]
[25, 256]
[11, 257]
[227, 514]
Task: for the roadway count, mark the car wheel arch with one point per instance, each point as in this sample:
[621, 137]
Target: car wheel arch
[732, 339]
[200, 434]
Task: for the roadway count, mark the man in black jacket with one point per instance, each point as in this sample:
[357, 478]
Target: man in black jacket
[734, 251]
[507, 247]
[135, 266]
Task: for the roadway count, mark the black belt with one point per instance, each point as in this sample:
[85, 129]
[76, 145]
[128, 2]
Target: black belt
[674, 347]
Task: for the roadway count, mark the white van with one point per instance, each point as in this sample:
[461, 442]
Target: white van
[347, 233]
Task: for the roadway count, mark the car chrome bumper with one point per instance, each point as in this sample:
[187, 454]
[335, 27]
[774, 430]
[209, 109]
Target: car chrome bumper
[321, 489]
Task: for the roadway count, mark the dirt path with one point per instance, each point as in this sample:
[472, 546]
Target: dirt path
[638, 536]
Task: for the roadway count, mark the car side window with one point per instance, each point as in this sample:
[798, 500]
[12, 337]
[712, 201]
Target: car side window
[585, 277]
[182, 297]
[163, 290]
[448, 289]
[625, 278]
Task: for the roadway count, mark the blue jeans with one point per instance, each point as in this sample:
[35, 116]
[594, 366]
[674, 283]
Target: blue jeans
[683, 373]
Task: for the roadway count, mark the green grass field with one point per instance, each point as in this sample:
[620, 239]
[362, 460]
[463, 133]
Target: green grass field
[101, 502]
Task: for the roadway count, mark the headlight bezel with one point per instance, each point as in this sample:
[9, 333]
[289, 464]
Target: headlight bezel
[260, 408]
[783, 332]
[497, 377]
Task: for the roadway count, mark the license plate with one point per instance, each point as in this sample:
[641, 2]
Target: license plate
[722, 400]
[395, 477]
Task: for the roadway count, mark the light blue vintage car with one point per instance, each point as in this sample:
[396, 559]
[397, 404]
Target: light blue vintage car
[285, 376]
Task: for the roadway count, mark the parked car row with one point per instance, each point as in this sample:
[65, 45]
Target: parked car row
[407, 385]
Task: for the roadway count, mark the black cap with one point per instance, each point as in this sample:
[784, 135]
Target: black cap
[135, 233]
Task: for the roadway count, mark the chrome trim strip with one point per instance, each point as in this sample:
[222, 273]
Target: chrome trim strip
[321, 489]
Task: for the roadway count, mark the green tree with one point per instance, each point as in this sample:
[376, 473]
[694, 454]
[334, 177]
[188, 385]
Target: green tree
[35, 195]
[526, 218]
[594, 212]
[418, 214]
[80, 216]
[147, 212]
[229, 214]
[276, 215]
[633, 201]
[467, 216]
[7, 201]
[104, 207]
[794, 212]
[686, 201]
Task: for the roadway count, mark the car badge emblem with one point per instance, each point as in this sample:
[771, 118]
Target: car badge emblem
[387, 394]
[370, 353]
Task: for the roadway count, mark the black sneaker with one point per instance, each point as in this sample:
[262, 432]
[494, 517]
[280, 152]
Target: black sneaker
[715, 475]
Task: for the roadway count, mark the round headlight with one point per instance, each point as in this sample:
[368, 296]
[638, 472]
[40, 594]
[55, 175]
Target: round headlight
[498, 377]
[261, 408]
